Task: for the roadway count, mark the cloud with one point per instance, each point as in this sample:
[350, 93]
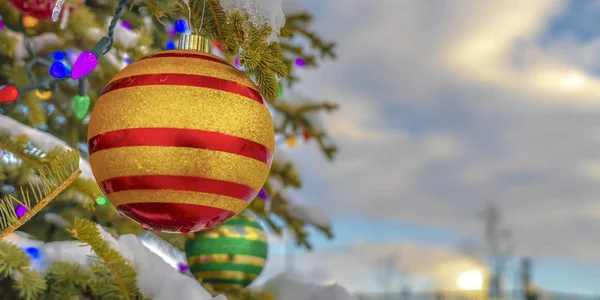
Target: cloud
[364, 265]
[433, 125]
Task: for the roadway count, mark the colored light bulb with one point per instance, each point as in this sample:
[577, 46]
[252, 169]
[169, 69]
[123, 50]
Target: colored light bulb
[81, 105]
[126, 25]
[216, 44]
[171, 31]
[1, 24]
[183, 267]
[126, 59]
[262, 194]
[85, 64]
[20, 211]
[58, 70]
[8, 93]
[291, 141]
[280, 90]
[300, 62]
[170, 45]
[34, 253]
[59, 55]
[306, 136]
[101, 200]
[237, 62]
[45, 96]
[181, 26]
[30, 22]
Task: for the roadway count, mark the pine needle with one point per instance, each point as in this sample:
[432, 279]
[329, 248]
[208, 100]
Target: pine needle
[14, 264]
[88, 232]
[54, 177]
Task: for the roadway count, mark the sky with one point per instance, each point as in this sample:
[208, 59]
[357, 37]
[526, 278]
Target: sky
[447, 105]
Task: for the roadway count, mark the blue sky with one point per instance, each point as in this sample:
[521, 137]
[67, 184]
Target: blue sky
[447, 106]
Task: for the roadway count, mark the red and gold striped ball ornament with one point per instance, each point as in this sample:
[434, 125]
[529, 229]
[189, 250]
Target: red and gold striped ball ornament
[181, 140]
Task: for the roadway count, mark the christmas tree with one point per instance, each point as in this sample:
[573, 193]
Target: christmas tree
[49, 198]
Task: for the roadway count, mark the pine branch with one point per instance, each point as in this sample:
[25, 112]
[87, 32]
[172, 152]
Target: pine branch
[123, 273]
[53, 179]
[15, 264]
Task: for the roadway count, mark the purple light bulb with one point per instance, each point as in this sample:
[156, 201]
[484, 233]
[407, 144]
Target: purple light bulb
[263, 194]
[1, 24]
[183, 267]
[21, 211]
[126, 25]
[85, 64]
[300, 62]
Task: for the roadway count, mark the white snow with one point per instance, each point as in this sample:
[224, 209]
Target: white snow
[290, 287]
[44, 141]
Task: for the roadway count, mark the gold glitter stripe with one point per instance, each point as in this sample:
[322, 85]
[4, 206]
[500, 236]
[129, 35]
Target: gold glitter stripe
[184, 197]
[225, 275]
[148, 160]
[251, 233]
[225, 258]
[183, 107]
[182, 65]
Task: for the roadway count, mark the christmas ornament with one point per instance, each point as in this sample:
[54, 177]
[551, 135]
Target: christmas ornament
[45, 96]
[8, 93]
[41, 9]
[181, 140]
[81, 105]
[229, 256]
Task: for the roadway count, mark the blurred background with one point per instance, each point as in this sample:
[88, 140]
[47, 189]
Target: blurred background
[468, 136]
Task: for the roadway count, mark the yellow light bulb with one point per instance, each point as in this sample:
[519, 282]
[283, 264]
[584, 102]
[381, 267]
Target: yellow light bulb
[291, 141]
[43, 95]
[30, 22]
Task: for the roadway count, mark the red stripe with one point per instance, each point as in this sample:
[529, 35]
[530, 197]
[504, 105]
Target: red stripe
[185, 80]
[178, 183]
[187, 55]
[175, 217]
[179, 137]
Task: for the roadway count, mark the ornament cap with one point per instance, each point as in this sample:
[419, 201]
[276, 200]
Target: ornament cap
[194, 42]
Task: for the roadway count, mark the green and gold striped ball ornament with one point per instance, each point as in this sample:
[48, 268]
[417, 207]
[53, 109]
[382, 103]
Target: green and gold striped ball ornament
[229, 256]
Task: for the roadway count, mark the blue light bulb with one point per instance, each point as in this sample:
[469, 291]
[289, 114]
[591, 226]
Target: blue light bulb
[58, 70]
[170, 45]
[34, 253]
[181, 26]
[59, 55]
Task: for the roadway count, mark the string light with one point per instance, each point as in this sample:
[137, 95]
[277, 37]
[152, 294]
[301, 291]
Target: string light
[86, 63]
[20, 210]
[291, 141]
[101, 200]
[181, 26]
[45, 96]
[126, 59]
[183, 267]
[58, 70]
[8, 93]
[81, 105]
[170, 45]
[59, 55]
[171, 31]
[126, 25]
[30, 22]
[280, 89]
[300, 62]
[34, 253]
[306, 136]
[1, 23]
